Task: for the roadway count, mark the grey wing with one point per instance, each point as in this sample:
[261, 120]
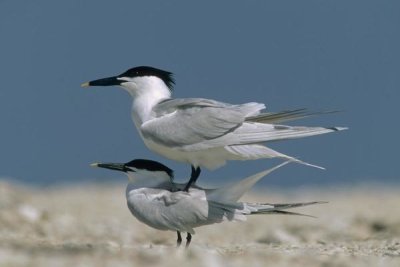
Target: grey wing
[180, 122]
[192, 212]
[287, 115]
[183, 211]
[164, 210]
[170, 105]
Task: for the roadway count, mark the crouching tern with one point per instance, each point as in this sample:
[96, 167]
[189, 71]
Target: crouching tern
[203, 132]
[154, 199]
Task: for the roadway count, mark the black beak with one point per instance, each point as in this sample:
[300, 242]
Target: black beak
[112, 166]
[103, 82]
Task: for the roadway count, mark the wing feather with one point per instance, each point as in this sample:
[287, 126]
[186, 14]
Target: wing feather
[181, 122]
[287, 115]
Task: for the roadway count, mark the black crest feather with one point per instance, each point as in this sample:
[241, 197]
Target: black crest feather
[150, 165]
[140, 71]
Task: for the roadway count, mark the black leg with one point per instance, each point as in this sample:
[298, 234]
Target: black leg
[193, 178]
[179, 240]
[188, 239]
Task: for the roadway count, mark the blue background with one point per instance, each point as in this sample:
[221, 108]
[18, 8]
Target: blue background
[321, 55]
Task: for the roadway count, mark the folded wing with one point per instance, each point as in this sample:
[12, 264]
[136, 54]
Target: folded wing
[182, 122]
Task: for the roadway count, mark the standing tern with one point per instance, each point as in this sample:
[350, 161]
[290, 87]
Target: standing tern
[203, 132]
[154, 199]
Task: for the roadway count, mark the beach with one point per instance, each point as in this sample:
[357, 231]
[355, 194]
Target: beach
[90, 225]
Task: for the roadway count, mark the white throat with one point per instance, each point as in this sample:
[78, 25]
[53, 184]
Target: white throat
[146, 91]
[147, 179]
[144, 178]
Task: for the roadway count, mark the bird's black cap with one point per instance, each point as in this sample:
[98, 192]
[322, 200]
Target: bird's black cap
[141, 164]
[150, 165]
[141, 71]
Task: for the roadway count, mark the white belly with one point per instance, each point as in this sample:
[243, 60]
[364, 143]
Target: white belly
[209, 158]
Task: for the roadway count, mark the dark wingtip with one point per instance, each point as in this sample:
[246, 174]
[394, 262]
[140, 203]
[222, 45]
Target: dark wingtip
[337, 129]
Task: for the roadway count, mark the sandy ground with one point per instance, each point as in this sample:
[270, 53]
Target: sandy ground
[91, 226]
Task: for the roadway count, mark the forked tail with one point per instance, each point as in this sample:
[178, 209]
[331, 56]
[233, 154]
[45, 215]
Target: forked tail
[266, 208]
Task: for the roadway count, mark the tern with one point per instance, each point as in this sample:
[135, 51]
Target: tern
[203, 132]
[155, 200]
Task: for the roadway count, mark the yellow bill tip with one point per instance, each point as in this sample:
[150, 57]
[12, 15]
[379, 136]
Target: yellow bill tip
[86, 84]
